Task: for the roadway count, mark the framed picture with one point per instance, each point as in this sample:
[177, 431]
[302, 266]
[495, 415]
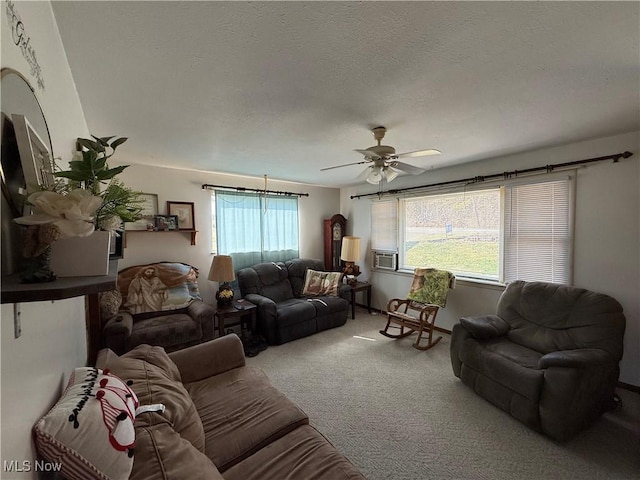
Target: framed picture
[185, 213]
[160, 223]
[26, 163]
[149, 211]
[165, 222]
[171, 221]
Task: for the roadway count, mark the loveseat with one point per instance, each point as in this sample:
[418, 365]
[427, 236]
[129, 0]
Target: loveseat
[295, 299]
[157, 304]
[549, 356]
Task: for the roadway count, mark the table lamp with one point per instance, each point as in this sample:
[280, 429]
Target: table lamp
[350, 253]
[222, 272]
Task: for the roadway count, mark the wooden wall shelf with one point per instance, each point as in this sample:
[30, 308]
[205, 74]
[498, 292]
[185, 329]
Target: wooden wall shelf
[64, 287]
[192, 234]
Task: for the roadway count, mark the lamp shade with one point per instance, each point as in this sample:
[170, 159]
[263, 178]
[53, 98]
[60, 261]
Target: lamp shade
[222, 269]
[350, 249]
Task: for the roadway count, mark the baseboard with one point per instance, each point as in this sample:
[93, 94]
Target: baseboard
[627, 386]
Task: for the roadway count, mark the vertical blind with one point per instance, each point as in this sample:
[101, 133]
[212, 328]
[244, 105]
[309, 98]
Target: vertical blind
[538, 234]
[254, 228]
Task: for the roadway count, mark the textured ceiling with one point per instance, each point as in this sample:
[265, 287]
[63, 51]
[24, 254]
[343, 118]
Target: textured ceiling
[287, 88]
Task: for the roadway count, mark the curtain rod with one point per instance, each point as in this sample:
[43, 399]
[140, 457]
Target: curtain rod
[513, 173]
[207, 186]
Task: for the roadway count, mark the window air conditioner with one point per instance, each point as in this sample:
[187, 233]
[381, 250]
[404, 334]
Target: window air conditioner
[385, 260]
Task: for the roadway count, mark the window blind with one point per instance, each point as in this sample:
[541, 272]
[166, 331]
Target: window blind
[384, 225]
[537, 232]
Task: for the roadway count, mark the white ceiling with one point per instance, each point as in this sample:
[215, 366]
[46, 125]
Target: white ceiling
[287, 88]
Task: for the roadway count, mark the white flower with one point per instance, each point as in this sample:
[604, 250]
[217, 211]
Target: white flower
[110, 223]
[71, 213]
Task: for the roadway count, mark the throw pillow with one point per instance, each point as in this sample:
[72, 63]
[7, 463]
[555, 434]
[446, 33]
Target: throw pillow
[321, 283]
[158, 287]
[89, 431]
[156, 379]
[431, 285]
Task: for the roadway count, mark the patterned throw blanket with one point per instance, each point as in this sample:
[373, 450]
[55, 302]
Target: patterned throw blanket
[431, 285]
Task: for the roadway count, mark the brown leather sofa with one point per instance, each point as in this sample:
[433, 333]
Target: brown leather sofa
[223, 419]
[284, 313]
[549, 356]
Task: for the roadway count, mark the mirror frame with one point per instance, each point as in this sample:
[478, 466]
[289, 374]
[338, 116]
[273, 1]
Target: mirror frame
[15, 186]
[30, 144]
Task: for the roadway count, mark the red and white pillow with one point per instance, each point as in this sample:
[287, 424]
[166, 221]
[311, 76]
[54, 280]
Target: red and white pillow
[90, 431]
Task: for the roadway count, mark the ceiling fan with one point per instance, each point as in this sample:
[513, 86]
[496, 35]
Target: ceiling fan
[384, 160]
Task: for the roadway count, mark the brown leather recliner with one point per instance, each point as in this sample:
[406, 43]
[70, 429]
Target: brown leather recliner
[550, 356]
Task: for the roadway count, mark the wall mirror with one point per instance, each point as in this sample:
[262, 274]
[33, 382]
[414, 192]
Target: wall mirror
[25, 161]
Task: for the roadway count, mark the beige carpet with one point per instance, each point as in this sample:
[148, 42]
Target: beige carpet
[399, 413]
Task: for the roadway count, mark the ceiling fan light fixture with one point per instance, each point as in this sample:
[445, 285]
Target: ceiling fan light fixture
[390, 174]
[375, 175]
[383, 160]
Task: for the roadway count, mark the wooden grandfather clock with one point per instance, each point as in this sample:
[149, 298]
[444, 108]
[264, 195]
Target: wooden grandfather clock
[334, 229]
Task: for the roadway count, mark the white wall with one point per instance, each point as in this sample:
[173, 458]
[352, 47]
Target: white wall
[35, 366]
[186, 186]
[607, 233]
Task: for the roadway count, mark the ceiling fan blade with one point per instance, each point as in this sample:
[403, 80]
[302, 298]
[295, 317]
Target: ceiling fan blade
[369, 154]
[406, 168]
[345, 165]
[418, 153]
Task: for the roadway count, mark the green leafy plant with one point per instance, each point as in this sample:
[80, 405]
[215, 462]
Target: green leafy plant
[90, 171]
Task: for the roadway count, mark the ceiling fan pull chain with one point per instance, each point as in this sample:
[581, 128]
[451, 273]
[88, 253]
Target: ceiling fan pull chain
[266, 200]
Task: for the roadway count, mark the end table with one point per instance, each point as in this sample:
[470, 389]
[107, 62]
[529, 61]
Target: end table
[238, 309]
[359, 287]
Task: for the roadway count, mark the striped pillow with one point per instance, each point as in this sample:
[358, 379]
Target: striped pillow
[89, 432]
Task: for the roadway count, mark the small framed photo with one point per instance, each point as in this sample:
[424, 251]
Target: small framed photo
[185, 213]
[160, 223]
[171, 221]
[165, 222]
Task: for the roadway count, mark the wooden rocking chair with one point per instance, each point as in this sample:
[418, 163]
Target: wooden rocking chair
[417, 313]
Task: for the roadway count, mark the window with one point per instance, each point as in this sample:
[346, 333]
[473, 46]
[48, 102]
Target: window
[459, 232]
[502, 233]
[255, 228]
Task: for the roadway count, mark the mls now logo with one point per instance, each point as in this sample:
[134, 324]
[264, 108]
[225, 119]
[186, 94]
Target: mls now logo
[29, 466]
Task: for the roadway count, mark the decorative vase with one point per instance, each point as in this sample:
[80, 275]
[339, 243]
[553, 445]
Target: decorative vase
[38, 269]
[82, 256]
[224, 295]
[36, 251]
